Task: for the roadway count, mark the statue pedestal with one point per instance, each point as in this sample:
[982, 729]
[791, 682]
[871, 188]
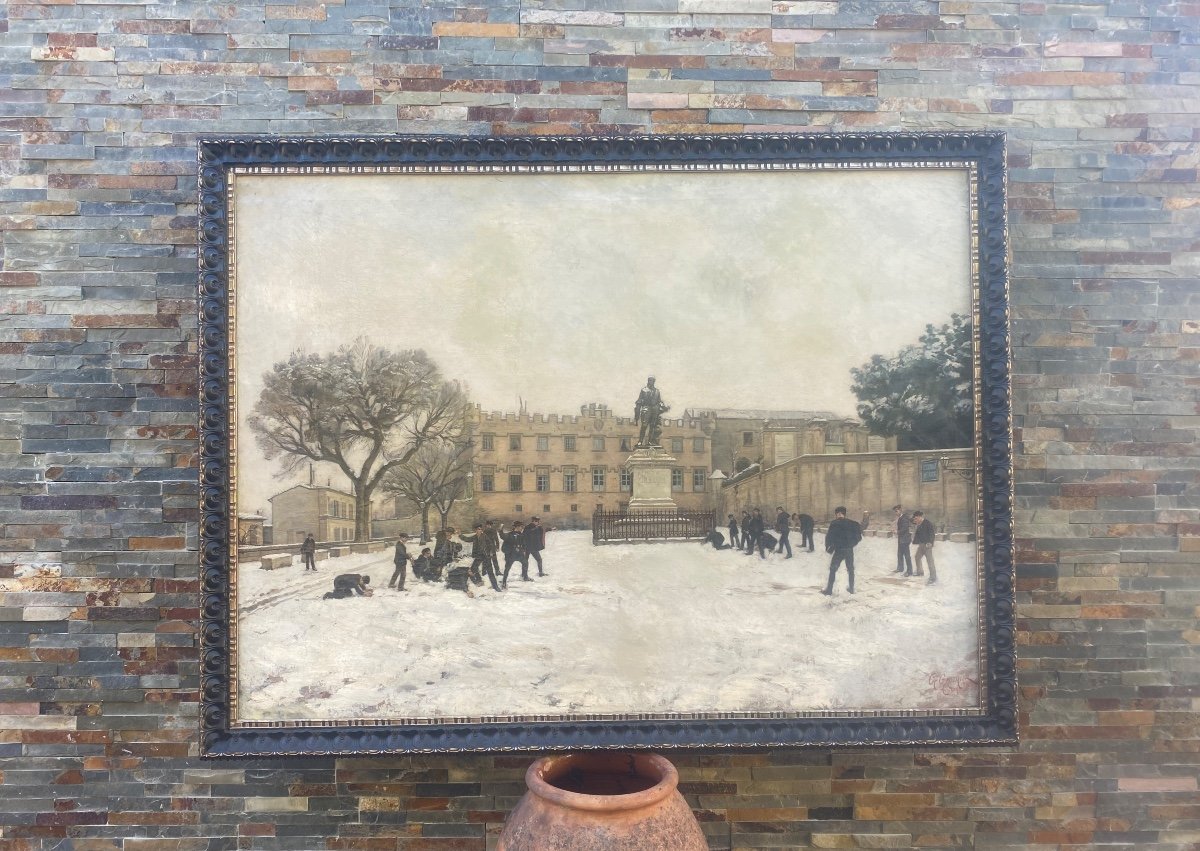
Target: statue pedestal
[651, 468]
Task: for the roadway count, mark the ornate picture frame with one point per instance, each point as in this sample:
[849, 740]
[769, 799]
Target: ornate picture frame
[529, 211]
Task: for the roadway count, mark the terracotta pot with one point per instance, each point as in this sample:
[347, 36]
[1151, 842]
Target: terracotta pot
[602, 801]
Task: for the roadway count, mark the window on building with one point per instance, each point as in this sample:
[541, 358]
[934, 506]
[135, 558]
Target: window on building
[626, 480]
[543, 442]
[515, 480]
[597, 478]
[574, 506]
[333, 508]
[568, 443]
[676, 445]
[487, 479]
[598, 443]
[697, 444]
[487, 442]
[625, 444]
[542, 479]
[518, 508]
[676, 479]
[569, 483]
[514, 442]
[747, 438]
[546, 508]
[699, 479]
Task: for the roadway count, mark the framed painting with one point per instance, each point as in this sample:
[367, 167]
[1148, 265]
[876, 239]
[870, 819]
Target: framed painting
[597, 442]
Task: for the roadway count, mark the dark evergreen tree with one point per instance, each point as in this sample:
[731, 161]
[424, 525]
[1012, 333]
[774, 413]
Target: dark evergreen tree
[922, 394]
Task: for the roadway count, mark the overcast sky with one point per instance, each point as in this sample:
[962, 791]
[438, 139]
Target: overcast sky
[737, 289]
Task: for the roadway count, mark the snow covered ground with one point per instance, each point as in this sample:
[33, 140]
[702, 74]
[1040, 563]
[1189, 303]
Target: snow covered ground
[648, 628]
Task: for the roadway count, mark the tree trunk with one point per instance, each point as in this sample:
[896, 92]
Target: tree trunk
[425, 523]
[362, 515]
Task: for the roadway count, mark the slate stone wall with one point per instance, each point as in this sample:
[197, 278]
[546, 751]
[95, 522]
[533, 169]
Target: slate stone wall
[100, 104]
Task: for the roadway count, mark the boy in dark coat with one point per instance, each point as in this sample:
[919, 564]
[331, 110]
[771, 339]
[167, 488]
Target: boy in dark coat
[480, 557]
[840, 540]
[400, 560]
[716, 539]
[923, 537]
[754, 536]
[349, 584]
[806, 524]
[308, 550]
[423, 566]
[535, 542]
[903, 525]
[783, 527]
[514, 551]
[493, 539]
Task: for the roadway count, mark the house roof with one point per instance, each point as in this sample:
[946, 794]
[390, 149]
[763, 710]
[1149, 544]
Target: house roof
[310, 488]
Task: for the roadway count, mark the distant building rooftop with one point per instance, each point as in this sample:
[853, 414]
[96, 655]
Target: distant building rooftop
[310, 488]
[763, 414]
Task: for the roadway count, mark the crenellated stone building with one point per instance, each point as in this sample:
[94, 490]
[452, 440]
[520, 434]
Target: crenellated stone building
[562, 467]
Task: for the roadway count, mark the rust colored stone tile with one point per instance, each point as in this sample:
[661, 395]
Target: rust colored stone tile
[296, 13]
[19, 279]
[470, 29]
[164, 543]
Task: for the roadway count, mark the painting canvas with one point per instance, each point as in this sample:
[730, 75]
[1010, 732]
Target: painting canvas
[611, 449]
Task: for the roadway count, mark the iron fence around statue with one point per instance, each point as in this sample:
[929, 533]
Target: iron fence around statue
[621, 526]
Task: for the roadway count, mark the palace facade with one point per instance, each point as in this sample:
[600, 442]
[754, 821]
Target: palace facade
[562, 467]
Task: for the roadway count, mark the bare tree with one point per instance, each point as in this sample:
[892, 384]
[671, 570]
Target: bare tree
[364, 409]
[435, 477]
[458, 469]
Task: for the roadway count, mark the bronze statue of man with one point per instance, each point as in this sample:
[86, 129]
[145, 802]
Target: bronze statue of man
[647, 412]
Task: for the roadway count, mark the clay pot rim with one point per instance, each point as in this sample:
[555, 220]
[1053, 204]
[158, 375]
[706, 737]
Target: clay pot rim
[538, 785]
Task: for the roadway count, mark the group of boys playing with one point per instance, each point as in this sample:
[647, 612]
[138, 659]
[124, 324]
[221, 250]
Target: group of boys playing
[841, 538]
[518, 544]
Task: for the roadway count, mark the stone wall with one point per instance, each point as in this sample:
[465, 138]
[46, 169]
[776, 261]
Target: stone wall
[871, 482]
[100, 106]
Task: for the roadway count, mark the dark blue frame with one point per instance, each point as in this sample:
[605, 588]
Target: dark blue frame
[997, 722]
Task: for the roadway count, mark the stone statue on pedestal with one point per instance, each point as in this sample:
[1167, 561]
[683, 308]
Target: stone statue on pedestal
[647, 412]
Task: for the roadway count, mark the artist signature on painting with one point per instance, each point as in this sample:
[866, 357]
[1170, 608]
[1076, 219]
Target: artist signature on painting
[949, 686]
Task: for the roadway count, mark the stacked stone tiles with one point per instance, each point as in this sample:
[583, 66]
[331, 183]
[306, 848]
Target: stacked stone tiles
[100, 105]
